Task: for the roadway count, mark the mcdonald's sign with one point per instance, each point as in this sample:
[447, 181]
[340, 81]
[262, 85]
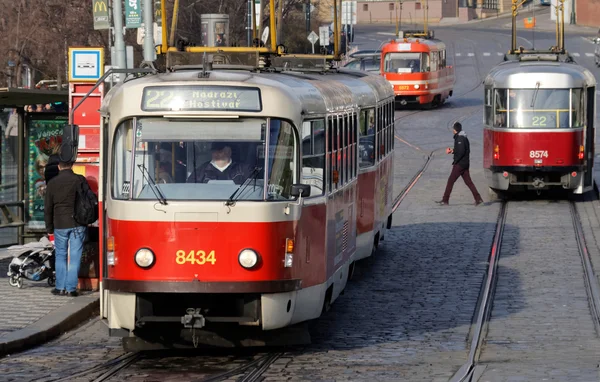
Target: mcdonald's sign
[101, 19]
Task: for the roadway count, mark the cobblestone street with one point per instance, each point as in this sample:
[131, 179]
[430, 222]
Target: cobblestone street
[407, 314]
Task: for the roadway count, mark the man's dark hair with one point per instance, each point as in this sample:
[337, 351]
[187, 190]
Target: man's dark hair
[457, 126]
[65, 164]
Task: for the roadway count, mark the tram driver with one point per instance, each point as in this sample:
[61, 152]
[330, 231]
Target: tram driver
[221, 167]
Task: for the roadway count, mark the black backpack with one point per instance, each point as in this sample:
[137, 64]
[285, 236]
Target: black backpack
[86, 204]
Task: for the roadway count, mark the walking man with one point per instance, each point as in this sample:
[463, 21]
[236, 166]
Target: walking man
[460, 165]
[59, 210]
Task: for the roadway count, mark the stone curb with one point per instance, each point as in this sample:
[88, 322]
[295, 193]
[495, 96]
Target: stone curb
[51, 325]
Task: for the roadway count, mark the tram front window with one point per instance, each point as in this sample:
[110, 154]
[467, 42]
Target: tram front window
[204, 160]
[402, 63]
[538, 108]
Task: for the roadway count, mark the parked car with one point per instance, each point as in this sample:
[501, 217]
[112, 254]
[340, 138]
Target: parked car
[597, 50]
[365, 60]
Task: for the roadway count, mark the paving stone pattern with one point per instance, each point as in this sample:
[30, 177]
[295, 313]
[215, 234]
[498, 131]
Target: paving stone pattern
[21, 307]
[541, 327]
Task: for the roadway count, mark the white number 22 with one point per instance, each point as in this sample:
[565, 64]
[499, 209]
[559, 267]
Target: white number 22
[538, 154]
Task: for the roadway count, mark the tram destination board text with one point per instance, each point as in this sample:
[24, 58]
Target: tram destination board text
[201, 98]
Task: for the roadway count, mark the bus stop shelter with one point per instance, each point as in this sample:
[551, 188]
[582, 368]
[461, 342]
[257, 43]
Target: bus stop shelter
[18, 99]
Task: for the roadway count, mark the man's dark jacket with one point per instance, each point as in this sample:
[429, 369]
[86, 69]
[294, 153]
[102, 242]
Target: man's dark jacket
[51, 169]
[59, 205]
[236, 172]
[462, 150]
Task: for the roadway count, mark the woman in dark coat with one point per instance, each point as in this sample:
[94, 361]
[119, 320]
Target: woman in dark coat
[51, 168]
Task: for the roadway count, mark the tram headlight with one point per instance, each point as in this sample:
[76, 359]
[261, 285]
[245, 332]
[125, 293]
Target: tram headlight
[417, 86]
[144, 258]
[248, 258]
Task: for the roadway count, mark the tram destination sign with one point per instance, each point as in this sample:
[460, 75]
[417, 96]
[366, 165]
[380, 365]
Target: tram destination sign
[201, 98]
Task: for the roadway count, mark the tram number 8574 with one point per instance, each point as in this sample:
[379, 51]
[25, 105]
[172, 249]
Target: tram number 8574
[538, 154]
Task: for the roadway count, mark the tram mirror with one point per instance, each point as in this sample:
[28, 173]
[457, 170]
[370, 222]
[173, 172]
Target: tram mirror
[300, 189]
[70, 143]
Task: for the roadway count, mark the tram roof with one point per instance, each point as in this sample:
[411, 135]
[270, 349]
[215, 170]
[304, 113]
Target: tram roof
[416, 44]
[549, 75]
[317, 93]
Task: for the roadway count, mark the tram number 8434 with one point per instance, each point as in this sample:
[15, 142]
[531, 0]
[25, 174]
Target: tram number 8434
[195, 257]
[538, 154]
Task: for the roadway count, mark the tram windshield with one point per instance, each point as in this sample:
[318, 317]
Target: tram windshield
[538, 108]
[203, 160]
[403, 62]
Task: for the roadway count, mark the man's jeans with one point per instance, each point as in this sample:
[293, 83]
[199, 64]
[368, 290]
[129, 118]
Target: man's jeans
[67, 276]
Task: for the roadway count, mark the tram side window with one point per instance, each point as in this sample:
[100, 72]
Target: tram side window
[426, 64]
[500, 106]
[442, 59]
[434, 61]
[577, 108]
[330, 153]
[313, 155]
[379, 128]
[489, 111]
[366, 147]
[353, 135]
[343, 143]
[121, 166]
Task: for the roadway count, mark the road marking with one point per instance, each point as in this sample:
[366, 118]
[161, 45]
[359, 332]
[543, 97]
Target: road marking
[500, 54]
[486, 54]
[458, 54]
[590, 54]
[471, 54]
[386, 33]
[576, 54]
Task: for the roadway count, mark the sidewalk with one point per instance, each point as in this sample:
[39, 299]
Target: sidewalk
[32, 315]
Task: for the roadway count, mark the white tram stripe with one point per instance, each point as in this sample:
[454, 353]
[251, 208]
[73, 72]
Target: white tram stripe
[590, 54]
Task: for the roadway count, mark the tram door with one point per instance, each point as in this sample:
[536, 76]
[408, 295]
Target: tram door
[590, 136]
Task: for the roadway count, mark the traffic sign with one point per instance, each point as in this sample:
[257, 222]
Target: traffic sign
[324, 36]
[157, 32]
[100, 13]
[86, 64]
[312, 37]
[349, 12]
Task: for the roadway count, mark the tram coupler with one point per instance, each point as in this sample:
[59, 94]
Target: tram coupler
[193, 319]
[538, 183]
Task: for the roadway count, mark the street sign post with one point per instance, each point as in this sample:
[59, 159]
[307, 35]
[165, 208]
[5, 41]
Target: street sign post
[133, 14]
[100, 13]
[312, 37]
[86, 64]
[324, 36]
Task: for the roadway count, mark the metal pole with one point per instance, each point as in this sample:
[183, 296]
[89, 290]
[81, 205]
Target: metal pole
[149, 31]
[513, 46]
[249, 24]
[174, 20]
[273, 30]
[253, 19]
[396, 8]
[21, 172]
[336, 46]
[557, 27]
[120, 60]
[562, 25]
[573, 16]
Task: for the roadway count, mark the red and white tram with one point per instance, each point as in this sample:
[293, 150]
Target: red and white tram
[540, 114]
[239, 198]
[415, 64]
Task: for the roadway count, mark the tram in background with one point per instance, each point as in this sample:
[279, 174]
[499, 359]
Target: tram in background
[415, 64]
[191, 255]
[539, 122]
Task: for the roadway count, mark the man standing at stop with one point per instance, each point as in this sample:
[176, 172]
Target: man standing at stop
[460, 165]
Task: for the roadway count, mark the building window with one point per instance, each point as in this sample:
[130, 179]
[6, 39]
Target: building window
[365, 7]
[391, 6]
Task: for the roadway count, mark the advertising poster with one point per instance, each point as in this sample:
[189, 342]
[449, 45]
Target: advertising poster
[44, 134]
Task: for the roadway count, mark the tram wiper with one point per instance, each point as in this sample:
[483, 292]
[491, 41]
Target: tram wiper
[157, 192]
[537, 88]
[251, 176]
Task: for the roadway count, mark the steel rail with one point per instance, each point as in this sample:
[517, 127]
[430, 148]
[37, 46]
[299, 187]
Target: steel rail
[486, 297]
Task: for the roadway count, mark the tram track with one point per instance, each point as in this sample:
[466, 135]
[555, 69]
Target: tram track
[472, 369]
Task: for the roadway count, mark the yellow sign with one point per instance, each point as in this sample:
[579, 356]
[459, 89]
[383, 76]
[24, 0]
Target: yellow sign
[195, 257]
[402, 87]
[79, 170]
[100, 6]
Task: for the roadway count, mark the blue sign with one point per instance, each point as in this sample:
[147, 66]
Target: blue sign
[86, 64]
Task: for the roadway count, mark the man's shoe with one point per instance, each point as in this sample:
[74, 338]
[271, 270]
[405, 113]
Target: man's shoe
[478, 202]
[57, 292]
[73, 294]
[442, 203]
